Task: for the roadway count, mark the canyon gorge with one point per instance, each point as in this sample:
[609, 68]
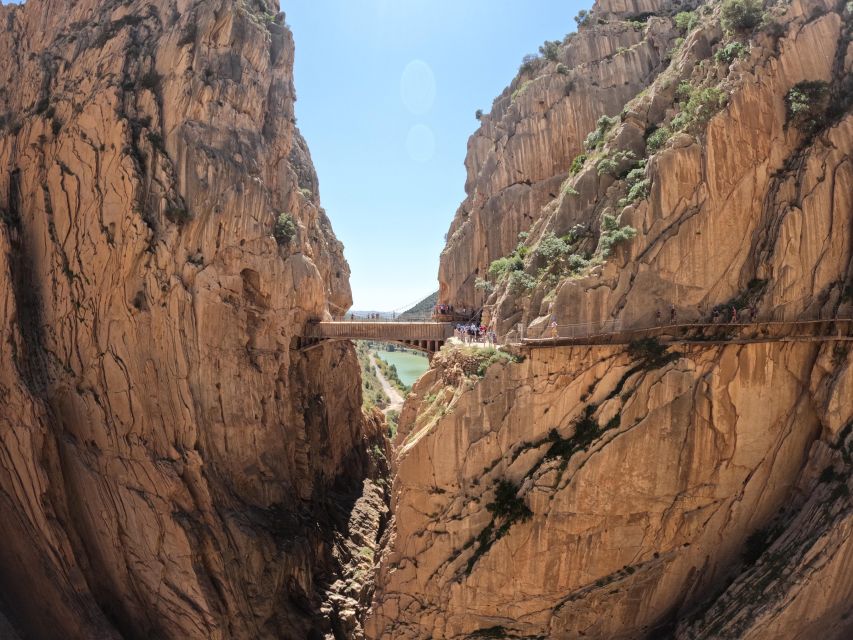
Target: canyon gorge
[174, 464]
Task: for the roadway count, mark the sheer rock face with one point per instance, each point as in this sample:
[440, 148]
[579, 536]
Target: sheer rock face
[744, 198]
[639, 531]
[522, 152]
[169, 466]
[582, 493]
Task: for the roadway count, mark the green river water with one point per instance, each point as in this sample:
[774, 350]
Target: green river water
[410, 367]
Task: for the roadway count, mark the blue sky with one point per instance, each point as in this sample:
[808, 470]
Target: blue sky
[387, 91]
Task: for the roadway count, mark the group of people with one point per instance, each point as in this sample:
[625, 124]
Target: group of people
[450, 310]
[471, 333]
[735, 316]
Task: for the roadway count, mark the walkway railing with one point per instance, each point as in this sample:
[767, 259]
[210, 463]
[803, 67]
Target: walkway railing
[835, 329]
[375, 330]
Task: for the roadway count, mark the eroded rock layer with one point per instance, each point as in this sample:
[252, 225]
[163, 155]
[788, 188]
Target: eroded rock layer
[169, 466]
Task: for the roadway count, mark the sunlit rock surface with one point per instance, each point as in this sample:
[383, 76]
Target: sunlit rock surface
[169, 466]
[596, 492]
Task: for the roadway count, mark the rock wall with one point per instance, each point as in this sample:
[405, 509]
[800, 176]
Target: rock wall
[522, 152]
[742, 197]
[169, 465]
[643, 483]
[607, 492]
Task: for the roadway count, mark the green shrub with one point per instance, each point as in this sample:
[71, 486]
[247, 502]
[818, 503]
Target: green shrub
[640, 190]
[577, 164]
[285, 229]
[595, 139]
[550, 50]
[583, 18]
[700, 107]
[729, 52]
[606, 165]
[551, 248]
[479, 114]
[658, 138]
[521, 282]
[741, 15]
[807, 103]
[685, 21]
[567, 189]
[503, 266]
[676, 47]
[529, 63]
[483, 285]
[612, 234]
[562, 69]
[521, 89]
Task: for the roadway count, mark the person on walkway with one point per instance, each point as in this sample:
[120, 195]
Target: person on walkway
[673, 314]
[715, 316]
[658, 317]
[554, 327]
[734, 315]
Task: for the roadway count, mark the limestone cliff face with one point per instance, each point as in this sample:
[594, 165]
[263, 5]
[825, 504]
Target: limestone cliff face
[601, 492]
[169, 465]
[638, 492]
[736, 195]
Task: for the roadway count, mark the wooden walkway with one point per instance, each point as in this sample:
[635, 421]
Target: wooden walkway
[432, 336]
[424, 336]
[795, 331]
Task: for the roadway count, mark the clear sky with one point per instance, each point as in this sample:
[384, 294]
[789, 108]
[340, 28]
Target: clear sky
[387, 91]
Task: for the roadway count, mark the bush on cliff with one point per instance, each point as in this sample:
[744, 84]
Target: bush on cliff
[612, 234]
[741, 15]
[807, 103]
[285, 229]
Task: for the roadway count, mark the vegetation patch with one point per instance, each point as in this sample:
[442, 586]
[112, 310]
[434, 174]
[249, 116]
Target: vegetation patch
[285, 229]
[595, 138]
[685, 21]
[698, 107]
[612, 235]
[638, 185]
[372, 393]
[470, 360]
[550, 50]
[731, 51]
[741, 15]
[807, 104]
[658, 138]
[577, 164]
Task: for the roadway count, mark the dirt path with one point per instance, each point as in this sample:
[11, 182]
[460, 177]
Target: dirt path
[390, 390]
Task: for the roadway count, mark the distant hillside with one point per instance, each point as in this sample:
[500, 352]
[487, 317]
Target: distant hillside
[423, 307]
